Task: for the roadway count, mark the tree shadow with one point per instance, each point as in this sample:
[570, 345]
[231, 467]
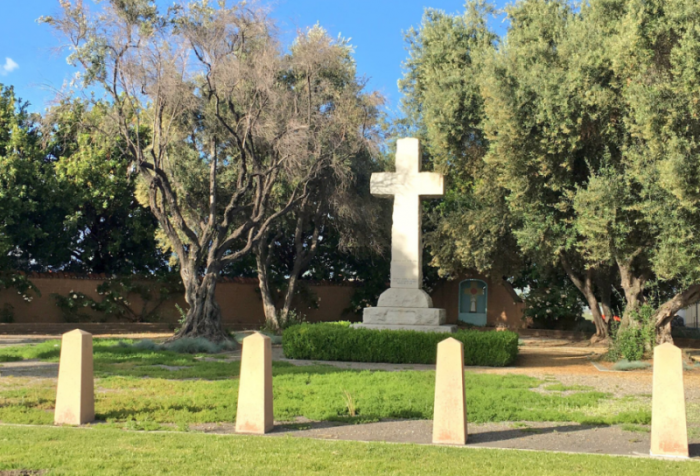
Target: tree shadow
[125, 415]
[29, 368]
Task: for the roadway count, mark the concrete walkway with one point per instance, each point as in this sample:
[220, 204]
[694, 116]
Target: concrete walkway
[535, 436]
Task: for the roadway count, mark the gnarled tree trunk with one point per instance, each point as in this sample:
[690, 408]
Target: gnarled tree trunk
[604, 285]
[633, 287]
[664, 314]
[204, 315]
[585, 285]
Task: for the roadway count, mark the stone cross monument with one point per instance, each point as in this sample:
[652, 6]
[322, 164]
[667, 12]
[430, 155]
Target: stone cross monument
[405, 305]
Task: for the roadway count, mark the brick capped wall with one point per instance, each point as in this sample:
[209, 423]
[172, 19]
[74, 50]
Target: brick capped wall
[239, 299]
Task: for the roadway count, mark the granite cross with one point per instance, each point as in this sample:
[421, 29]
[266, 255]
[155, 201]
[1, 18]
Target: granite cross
[407, 185]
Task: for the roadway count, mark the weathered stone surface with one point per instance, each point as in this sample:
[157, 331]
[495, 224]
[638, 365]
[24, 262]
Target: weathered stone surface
[403, 316]
[407, 185]
[254, 413]
[450, 410]
[669, 432]
[394, 327]
[405, 304]
[75, 396]
[398, 297]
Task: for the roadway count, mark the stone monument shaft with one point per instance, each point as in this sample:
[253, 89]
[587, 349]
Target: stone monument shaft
[407, 185]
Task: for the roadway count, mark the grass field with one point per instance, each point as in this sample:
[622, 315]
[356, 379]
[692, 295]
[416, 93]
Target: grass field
[151, 390]
[115, 452]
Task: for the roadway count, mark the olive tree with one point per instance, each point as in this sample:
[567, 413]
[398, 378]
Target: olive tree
[227, 131]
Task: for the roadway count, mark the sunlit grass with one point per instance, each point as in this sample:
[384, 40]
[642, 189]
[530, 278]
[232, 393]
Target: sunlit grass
[112, 452]
[151, 389]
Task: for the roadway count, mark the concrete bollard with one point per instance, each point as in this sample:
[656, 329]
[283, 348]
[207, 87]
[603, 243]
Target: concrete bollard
[254, 414]
[75, 396]
[669, 433]
[450, 413]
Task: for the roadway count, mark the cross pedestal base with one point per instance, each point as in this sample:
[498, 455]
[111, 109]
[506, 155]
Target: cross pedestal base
[447, 328]
[408, 316]
[405, 318]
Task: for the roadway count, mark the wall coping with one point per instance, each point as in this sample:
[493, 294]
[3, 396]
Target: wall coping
[222, 279]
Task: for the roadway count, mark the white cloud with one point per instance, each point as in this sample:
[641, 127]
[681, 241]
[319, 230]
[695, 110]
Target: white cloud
[8, 67]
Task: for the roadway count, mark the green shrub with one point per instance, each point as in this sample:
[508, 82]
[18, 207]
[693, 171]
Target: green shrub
[186, 345]
[634, 342]
[343, 343]
[625, 364]
[197, 345]
[147, 344]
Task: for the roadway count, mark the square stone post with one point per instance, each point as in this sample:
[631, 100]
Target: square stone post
[75, 396]
[450, 412]
[669, 433]
[254, 413]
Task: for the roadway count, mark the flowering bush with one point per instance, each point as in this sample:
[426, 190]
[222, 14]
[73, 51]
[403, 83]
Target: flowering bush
[24, 287]
[116, 301]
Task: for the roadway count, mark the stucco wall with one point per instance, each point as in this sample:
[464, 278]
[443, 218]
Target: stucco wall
[239, 299]
[241, 306]
[503, 308]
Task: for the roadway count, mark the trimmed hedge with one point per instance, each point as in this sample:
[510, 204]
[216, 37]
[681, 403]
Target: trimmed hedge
[340, 342]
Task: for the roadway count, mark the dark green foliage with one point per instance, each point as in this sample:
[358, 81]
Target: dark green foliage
[634, 342]
[66, 197]
[551, 299]
[343, 343]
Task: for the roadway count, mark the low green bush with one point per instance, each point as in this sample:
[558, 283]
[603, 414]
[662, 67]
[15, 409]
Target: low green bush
[186, 345]
[636, 341]
[343, 343]
[625, 364]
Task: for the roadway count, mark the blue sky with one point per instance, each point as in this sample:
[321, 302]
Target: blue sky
[29, 60]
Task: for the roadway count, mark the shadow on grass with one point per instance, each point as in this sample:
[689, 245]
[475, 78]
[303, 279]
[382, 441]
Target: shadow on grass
[29, 369]
[126, 415]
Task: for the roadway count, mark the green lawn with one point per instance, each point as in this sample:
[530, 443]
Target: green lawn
[107, 451]
[134, 390]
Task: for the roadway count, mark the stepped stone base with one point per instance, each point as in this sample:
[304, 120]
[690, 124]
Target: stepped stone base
[405, 318]
[399, 327]
[412, 316]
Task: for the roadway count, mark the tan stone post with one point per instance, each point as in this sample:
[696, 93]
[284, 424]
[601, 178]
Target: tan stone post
[669, 433]
[254, 413]
[75, 396]
[450, 413]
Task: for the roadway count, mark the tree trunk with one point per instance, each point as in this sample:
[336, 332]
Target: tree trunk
[585, 286]
[604, 283]
[204, 315]
[665, 313]
[302, 256]
[262, 260]
[289, 296]
[633, 286]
